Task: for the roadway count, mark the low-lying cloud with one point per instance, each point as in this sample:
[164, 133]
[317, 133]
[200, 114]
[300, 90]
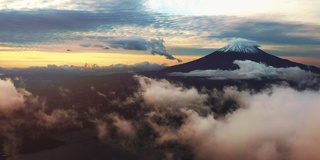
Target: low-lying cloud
[19, 107]
[162, 93]
[253, 70]
[277, 123]
[10, 98]
[124, 127]
[89, 69]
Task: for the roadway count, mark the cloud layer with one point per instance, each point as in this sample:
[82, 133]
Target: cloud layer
[18, 108]
[165, 119]
[278, 123]
[87, 69]
[44, 25]
[253, 70]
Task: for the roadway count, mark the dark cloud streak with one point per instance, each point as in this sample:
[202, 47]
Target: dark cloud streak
[272, 33]
[155, 46]
[52, 25]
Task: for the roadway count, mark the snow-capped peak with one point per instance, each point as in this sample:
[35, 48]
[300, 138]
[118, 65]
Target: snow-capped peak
[241, 45]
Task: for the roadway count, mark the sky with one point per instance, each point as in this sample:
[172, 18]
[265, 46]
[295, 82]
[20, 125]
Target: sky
[105, 32]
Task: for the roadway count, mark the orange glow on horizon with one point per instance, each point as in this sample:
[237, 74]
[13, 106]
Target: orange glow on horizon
[304, 60]
[24, 59]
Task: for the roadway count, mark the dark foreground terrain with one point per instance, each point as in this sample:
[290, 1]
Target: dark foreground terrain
[111, 116]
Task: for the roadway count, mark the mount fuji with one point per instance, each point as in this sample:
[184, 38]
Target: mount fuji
[238, 49]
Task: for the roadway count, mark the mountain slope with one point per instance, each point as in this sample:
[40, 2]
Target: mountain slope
[237, 50]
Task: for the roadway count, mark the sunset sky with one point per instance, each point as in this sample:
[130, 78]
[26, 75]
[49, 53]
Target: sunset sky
[105, 32]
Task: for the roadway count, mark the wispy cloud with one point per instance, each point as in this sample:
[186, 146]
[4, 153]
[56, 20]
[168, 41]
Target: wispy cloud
[274, 32]
[28, 24]
[49, 25]
[81, 5]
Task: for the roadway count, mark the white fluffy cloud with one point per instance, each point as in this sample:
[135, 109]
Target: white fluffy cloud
[253, 70]
[164, 94]
[19, 107]
[10, 98]
[281, 125]
[277, 123]
[124, 127]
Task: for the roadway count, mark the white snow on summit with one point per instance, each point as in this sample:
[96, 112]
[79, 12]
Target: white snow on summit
[241, 45]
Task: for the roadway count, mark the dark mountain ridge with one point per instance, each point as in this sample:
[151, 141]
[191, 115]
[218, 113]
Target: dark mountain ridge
[223, 59]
